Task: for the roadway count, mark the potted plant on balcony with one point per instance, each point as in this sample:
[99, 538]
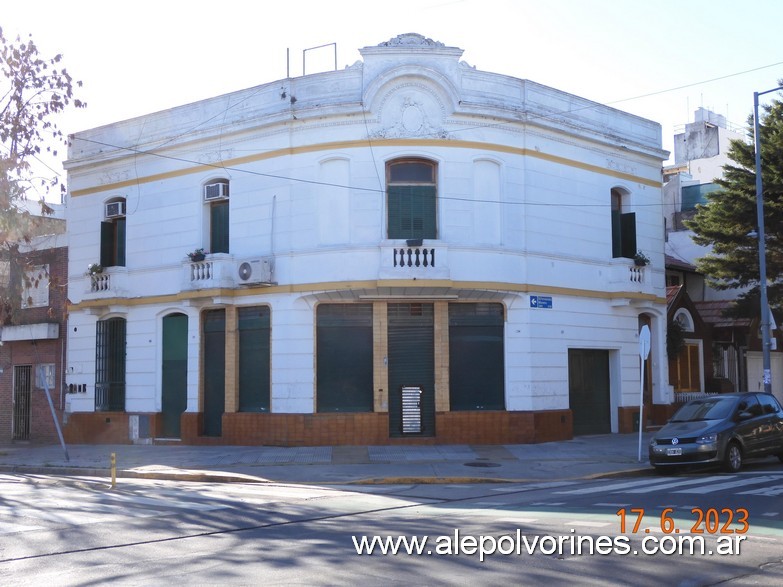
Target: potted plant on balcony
[640, 259]
[94, 269]
[197, 255]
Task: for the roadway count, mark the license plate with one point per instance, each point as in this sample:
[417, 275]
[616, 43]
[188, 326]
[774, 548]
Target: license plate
[673, 452]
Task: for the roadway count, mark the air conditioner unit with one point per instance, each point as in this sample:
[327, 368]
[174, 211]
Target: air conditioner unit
[254, 271]
[216, 191]
[114, 209]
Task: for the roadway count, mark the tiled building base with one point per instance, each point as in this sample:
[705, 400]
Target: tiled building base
[243, 428]
[657, 414]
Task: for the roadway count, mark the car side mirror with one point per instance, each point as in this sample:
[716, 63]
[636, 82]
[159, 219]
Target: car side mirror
[744, 415]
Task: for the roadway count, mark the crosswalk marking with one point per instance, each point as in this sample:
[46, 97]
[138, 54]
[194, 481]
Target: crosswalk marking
[639, 486]
[601, 488]
[669, 485]
[773, 491]
[728, 485]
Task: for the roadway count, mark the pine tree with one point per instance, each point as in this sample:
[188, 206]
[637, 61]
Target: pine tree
[728, 222]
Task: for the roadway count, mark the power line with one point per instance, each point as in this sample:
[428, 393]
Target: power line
[534, 117]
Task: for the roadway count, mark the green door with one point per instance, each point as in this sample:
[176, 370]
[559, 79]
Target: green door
[588, 391]
[411, 365]
[214, 371]
[174, 398]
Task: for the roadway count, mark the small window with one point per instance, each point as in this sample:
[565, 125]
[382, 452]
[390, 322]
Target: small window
[113, 234]
[44, 376]
[411, 199]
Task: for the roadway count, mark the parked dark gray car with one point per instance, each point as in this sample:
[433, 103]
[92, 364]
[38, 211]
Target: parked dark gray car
[723, 429]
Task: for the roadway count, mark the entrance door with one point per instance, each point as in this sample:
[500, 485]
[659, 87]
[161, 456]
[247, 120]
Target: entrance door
[174, 398]
[411, 365]
[22, 398]
[588, 391]
[214, 371]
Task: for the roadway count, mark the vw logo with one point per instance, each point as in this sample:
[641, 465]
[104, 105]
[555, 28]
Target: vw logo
[675, 440]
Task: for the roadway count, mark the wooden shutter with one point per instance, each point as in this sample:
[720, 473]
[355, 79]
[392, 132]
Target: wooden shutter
[219, 227]
[119, 226]
[412, 212]
[628, 232]
[107, 244]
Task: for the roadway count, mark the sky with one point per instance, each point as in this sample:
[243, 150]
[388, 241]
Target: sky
[659, 59]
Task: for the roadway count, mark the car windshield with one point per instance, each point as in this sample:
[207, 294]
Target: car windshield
[705, 409]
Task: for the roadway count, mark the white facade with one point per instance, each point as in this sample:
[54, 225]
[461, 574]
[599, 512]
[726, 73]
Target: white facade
[524, 176]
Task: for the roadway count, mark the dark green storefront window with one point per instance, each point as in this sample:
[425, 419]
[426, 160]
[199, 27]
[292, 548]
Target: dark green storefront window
[254, 361]
[344, 358]
[476, 368]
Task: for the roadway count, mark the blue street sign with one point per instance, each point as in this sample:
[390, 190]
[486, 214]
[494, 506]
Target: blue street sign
[541, 302]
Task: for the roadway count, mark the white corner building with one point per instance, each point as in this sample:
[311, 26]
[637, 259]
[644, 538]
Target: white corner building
[406, 250]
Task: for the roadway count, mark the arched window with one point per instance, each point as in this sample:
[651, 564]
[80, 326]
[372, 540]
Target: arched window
[113, 233]
[684, 319]
[623, 227]
[412, 191]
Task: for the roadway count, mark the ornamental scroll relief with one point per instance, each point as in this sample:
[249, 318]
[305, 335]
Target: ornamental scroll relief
[410, 113]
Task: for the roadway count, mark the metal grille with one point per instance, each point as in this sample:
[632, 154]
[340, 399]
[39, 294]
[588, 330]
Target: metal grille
[110, 365]
[411, 410]
[22, 396]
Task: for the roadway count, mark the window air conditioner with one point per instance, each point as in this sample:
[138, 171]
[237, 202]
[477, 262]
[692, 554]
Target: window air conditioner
[114, 209]
[255, 271]
[215, 191]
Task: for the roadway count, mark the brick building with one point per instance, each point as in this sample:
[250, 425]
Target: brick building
[33, 339]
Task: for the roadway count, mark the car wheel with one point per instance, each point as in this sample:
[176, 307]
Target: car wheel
[732, 460]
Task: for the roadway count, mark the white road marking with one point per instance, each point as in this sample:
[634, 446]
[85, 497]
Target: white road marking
[729, 485]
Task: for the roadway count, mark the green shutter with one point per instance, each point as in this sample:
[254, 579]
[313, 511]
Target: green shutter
[344, 349]
[411, 348]
[476, 366]
[254, 359]
[617, 239]
[174, 391]
[219, 227]
[628, 231]
[214, 371]
[411, 212]
[119, 226]
[107, 244]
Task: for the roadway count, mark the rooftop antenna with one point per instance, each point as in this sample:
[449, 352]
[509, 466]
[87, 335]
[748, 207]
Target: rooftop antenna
[304, 55]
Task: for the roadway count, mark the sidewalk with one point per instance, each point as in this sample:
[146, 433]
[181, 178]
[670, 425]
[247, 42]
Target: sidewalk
[581, 458]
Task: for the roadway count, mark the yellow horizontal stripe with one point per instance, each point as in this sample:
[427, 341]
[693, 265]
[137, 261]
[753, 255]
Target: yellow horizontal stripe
[363, 285]
[288, 151]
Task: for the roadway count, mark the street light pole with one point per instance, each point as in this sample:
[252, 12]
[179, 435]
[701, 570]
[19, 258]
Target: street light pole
[765, 312]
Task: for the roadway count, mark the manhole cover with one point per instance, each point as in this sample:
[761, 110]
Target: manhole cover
[482, 464]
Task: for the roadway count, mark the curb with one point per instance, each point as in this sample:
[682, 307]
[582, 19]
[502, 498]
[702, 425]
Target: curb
[225, 477]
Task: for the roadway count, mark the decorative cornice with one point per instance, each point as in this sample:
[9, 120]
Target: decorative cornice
[411, 40]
